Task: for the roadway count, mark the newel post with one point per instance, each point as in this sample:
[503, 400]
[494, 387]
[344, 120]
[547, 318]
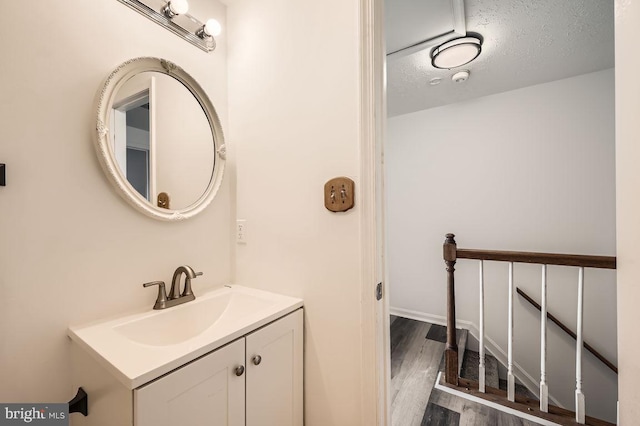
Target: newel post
[451, 351]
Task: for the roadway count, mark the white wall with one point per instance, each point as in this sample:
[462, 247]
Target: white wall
[294, 124]
[71, 250]
[529, 170]
[627, 206]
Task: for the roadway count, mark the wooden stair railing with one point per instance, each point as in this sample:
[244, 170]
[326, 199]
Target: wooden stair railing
[451, 254]
[567, 330]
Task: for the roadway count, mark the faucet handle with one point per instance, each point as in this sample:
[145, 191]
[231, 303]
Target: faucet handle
[161, 300]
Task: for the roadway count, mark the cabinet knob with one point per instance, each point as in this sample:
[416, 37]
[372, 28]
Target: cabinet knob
[240, 370]
[256, 360]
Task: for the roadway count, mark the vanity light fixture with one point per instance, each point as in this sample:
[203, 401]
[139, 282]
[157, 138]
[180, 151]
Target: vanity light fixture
[211, 28]
[172, 15]
[456, 53]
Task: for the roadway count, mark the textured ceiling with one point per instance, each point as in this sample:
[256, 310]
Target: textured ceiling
[409, 22]
[525, 42]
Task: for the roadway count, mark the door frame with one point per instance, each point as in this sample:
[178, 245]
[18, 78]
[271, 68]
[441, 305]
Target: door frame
[376, 357]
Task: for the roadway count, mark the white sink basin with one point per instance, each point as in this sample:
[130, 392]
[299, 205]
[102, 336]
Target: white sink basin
[138, 348]
[183, 322]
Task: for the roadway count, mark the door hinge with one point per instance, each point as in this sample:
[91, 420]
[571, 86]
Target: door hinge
[379, 291]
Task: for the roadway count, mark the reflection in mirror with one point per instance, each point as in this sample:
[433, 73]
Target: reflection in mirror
[131, 141]
[138, 148]
[162, 140]
[159, 139]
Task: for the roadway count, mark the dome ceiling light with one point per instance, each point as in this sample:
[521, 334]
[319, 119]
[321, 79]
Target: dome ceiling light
[456, 53]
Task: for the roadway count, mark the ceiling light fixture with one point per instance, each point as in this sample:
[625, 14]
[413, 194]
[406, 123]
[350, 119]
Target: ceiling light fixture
[456, 53]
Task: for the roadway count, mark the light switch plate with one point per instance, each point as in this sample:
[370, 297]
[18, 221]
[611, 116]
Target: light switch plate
[339, 195]
[241, 231]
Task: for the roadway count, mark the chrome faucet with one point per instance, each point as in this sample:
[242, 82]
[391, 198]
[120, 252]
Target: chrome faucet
[175, 297]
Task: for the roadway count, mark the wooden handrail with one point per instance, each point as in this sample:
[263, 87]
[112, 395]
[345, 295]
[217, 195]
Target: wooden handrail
[601, 262]
[568, 331]
[451, 253]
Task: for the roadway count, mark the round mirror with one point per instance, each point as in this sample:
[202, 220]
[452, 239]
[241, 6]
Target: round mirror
[159, 139]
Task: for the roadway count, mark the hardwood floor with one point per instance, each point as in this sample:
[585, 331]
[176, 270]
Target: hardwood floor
[417, 354]
[414, 367]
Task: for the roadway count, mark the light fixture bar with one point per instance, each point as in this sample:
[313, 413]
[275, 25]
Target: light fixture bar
[181, 29]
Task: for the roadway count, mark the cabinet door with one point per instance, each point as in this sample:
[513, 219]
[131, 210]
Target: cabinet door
[274, 383]
[205, 392]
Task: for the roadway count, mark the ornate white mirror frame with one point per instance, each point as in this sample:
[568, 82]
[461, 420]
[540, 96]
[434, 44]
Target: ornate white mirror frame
[105, 151]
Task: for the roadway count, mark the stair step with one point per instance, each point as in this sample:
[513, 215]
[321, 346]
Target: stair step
[462, 346]
[520, 390]
[470, 368]
[491, 371]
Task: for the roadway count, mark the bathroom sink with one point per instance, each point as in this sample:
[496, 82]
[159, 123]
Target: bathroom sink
[174, 325]
[140, 347]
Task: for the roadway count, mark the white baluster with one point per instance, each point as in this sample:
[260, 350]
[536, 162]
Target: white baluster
[544, 389]
[580, 406]
[511, 383]
[481, 368]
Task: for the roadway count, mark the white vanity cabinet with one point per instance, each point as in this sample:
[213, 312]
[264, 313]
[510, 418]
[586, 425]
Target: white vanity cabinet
[206, 392]
[274, 374]
[254, 378]
[265, 365]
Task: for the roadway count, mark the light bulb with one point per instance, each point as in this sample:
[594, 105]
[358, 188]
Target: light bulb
[176, 7]
[212, 28]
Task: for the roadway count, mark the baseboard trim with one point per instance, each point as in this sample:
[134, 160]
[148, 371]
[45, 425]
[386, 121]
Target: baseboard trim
[490, 345]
